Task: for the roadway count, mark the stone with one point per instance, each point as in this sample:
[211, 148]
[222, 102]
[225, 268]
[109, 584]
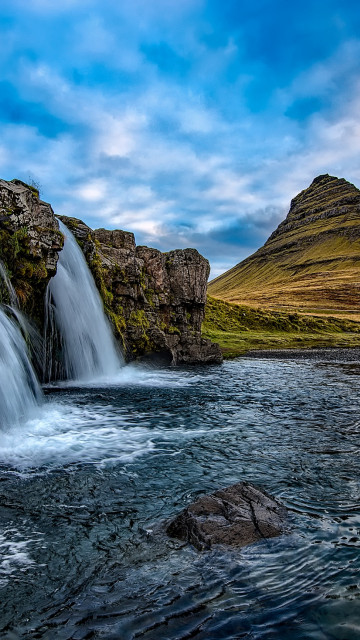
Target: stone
[30, 242]
[155, 301]
[236, 516]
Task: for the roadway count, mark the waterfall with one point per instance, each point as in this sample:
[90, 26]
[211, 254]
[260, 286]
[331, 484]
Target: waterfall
[75, 307]
[9, 288]
[19, 389]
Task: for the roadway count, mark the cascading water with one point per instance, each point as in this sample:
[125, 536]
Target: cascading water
[8, 286]
[19, 389]
[75, 307]
[20, 392]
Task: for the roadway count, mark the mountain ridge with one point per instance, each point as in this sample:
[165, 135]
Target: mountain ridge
[311, 262]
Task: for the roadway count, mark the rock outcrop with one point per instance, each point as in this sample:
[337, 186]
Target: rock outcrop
[236, 516]
[311, 262]
[154, 300]
[30, 241]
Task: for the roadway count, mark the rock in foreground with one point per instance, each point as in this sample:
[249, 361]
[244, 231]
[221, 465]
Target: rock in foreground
[237, 516]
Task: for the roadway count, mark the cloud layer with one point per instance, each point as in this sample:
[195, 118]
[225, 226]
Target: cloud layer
[191, 124]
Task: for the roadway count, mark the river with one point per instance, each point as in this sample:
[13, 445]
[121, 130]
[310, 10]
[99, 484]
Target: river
[87, 483]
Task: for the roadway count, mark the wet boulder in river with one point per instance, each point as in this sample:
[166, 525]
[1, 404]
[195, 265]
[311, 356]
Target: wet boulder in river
[237, 516]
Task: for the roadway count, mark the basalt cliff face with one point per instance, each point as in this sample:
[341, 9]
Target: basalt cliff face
[311, 261]
[155, 301]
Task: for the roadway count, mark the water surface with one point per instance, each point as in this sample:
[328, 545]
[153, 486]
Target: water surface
[86, 484]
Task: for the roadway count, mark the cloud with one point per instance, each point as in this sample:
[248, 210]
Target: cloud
[192, 123]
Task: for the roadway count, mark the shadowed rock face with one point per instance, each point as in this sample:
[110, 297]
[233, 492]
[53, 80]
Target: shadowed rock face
[155, 301]
[237, 516]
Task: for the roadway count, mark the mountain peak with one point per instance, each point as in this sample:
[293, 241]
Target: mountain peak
[311, 261]
[324, 194]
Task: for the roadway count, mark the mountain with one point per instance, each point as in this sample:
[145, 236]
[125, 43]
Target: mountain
[311, 262]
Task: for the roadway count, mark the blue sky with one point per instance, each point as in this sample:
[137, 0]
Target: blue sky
[190, 123]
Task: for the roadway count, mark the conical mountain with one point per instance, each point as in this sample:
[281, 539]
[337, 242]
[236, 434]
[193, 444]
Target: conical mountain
[311, 262]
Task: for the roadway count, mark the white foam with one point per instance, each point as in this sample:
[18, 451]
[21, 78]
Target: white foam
[14, 556]
[62, 434]
[136, 375]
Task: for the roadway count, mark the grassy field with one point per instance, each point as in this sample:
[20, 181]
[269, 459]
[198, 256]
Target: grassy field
[239, 328]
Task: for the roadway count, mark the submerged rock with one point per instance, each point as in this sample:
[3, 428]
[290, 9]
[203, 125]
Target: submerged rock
[237, 516]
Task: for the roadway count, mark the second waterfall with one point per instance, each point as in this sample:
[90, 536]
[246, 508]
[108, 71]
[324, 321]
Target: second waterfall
[74, 305]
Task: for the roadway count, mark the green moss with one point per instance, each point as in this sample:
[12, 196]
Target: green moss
[27, 272]
[139, 319]
[99, 276]
[149, 295]
[143, 278]
[142, 343]
[172, 329]
[119, 274]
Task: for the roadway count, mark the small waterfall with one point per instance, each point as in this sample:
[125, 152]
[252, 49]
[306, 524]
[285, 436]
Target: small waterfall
[19, 389]
[75, 307]
[8, 286]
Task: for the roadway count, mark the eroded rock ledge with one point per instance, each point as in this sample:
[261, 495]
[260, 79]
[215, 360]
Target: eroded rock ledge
[155, 301]
[236, 516]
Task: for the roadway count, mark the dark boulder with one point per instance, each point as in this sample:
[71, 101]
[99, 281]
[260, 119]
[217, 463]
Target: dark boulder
[235, 516]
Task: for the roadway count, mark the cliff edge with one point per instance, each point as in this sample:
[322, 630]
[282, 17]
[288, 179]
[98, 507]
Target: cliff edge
[155, 301]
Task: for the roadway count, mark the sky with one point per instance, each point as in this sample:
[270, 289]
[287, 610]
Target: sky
[191, 123]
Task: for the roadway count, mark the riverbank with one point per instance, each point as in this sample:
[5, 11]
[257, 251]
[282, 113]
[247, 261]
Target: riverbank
[326, 354]
[241, 330]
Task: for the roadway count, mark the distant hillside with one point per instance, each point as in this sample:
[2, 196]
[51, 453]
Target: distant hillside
[311, 262]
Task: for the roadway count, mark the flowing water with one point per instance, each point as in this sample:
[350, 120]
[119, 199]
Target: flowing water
[87, 483]
[20, 393]
[75, 309]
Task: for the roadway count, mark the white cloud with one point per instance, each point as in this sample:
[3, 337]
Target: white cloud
[92, 191]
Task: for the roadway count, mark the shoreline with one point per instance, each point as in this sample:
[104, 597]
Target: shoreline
[328, 354]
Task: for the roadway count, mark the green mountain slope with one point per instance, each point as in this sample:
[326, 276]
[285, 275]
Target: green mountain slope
[311, 262]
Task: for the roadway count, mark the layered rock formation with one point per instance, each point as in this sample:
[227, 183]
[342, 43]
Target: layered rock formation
[236, 516]
[154, 300]
[29, 244]
[311, 261]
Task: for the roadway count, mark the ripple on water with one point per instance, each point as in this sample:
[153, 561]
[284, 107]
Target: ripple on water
[100, 467]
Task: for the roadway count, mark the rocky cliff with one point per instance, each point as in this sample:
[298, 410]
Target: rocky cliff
[29, 244]
[155, 300]
[311, 261]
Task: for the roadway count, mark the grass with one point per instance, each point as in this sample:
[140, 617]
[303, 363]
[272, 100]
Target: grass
[238, 329]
